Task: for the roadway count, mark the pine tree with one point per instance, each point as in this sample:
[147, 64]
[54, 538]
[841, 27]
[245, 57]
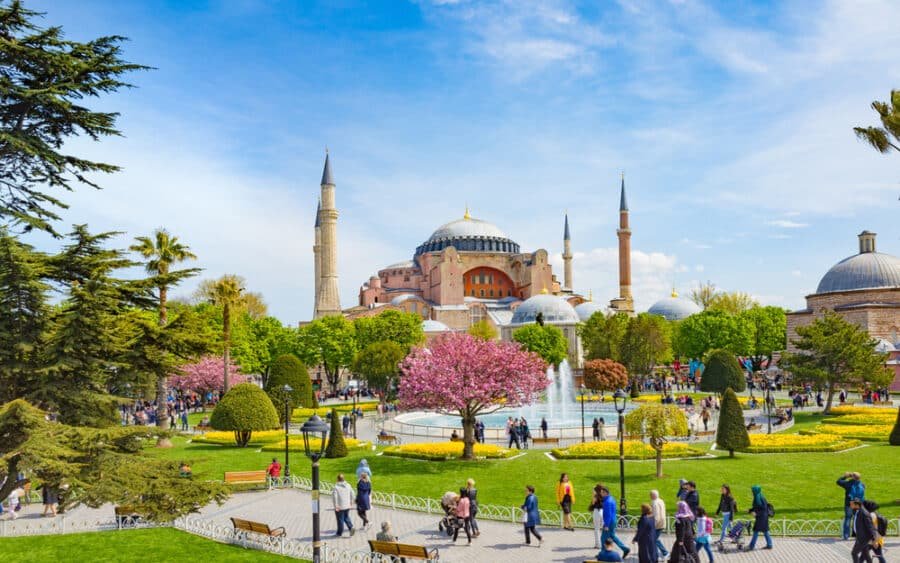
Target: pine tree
[894, 439]
[731, 434]
[336, 446]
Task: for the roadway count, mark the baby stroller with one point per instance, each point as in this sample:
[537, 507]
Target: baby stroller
[449, 522]
[735, 537]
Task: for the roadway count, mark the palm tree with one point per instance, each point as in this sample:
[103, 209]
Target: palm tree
[162, 250]
[878, 137]
[226, 292]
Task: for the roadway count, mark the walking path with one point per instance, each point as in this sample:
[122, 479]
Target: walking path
[499, 542]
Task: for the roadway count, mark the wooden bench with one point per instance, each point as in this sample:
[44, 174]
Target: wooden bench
[754, 426]
[241, 525]
[705, 433]
[245, 477]
[536, 440]
[407, 551]
[127, 517]
[385, 439]
[202, 428]
[455, 439]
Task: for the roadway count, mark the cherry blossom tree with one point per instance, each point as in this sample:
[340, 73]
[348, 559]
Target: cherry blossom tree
[461, 375]
[207, 374]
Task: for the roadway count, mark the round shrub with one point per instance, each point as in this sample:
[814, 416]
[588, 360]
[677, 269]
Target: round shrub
[722, 371]
[242, 410]
[288, 370]
[605, 375]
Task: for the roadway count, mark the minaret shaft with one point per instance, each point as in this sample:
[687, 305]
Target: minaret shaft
[328, 300]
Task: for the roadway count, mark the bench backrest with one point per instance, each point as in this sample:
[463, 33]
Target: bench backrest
[407, 550]
[124, 511]
[237, 476]
[384, 547]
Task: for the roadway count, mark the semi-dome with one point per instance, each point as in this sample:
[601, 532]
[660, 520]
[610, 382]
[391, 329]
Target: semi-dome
[429, 327]
[405, 297]
[884, 346]
[674, 308]
[867, 270]
[555, 310]
[467, 235]
[588, 308]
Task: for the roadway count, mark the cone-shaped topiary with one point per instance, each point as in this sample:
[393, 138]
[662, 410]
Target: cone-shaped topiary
[894, 439]
[731, 434]
[722, 371]
[336, 446]
[288, 370]
[243, 409]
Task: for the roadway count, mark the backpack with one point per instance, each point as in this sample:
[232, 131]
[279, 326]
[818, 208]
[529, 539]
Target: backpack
[770, 509]
[881, 524]
[709, 526]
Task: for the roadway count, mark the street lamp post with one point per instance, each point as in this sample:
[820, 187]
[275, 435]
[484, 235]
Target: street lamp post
[287, 389]
[315, 428]
[582, 391]
[620, 398]
[769, 403]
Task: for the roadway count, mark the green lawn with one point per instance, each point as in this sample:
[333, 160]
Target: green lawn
[799, 485]
[157, 544]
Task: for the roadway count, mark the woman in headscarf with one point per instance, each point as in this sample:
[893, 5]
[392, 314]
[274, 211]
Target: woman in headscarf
[645, 536]
[363, 467]
[684, 549]
[363, 498]
[760, 510]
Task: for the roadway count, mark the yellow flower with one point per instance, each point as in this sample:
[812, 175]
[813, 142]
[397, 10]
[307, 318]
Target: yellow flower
[851, 409]
[877, 419]
[871, 432]
[770, 443]
[445, 450]
[634, 449]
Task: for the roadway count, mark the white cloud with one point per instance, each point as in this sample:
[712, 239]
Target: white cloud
[796, 273]
[786, 224]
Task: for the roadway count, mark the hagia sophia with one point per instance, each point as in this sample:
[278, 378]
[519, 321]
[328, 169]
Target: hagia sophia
[470, 270]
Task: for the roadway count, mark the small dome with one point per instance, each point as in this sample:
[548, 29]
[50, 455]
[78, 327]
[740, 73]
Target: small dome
[868, 270]
[430, 327]
[405, 297]
[555, 310]
[674, 308]
[884, 346]
[588, 308]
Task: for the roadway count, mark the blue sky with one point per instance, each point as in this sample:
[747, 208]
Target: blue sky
[732, 121]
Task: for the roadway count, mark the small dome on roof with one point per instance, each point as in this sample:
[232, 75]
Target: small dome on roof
[867, 270]
[430, 327]
[588, 308]
[555, 310]
[884, 346]
[674, 308]
[405, 297]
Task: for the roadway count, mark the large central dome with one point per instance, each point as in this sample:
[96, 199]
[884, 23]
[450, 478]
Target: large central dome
[469, 235]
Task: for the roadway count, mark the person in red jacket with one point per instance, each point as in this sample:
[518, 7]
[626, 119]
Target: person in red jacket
[274, 471]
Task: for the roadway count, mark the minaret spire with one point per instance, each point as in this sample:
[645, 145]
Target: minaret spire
[624, 303]
[328, 301]
[567, 257]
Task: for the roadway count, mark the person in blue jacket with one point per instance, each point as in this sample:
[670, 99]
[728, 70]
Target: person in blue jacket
[853, 488]
[610, 517]
[608, 554]
[532, 516]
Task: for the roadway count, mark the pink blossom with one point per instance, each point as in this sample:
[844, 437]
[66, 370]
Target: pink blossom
[207, 374]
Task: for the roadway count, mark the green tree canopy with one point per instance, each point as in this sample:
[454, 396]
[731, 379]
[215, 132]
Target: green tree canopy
[887, 137]
[288, 370]
[331, 343]
[98, 465]
[404, 329]
[243, 409]
[336, 446]
[722, 372]
[708, 330]
[483, 330]
[647, 342]
[379, 364]
[731, 433]
[704, 295]
[833, 352]
[601, 335]
[732, 303]
[547, 341]
[768, 332]
[656, 423]
[46, 79]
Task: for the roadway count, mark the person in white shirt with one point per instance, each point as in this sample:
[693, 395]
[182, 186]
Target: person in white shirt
[342, 496]
[658, 506]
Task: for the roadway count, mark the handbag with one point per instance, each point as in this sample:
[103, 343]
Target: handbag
[566, 503]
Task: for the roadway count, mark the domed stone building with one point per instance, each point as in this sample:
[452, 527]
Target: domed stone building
[674, 308]
[864, 289]
[554, 310]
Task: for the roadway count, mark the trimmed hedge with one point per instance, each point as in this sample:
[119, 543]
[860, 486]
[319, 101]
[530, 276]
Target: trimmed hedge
[243, 409]
[722, 371]
[731, 433]
[288, 370]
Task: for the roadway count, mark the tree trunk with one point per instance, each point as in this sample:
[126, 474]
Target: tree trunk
[468, 422]
[830, 398]
[730, 453]
[659, 472]
[225, 380]
[162, 381]
[226, 333]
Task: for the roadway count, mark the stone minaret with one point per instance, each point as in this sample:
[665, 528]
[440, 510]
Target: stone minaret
[567, 258]
[317, 257]
[624, 303]
[328, 301]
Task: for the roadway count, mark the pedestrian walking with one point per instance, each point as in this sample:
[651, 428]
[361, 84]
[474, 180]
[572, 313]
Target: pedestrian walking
[596, 510]
[363, 497]
[645, 536]
[602, 428]
[565, 497]
[544, 427]
[473, 506]
[50, 499]
[880, 524]
[595, 429]
[682, 489]
[760, 511]
[853, 488]
[684, 549]
[463, 514]
[610, 519]
[363, 467]
[863, 530]
[728, 509]
[692, 497]
[273, 472]
[531, 516]
[342, 497]
[659, 519]
[513, 431]
[524, 433]
[704, 532]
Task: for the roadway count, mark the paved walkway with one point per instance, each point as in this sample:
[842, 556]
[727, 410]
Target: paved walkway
[498, 543]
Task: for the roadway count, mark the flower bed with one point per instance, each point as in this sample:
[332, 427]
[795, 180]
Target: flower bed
[634, 449]
[877, 411]
[226, 437]
[872, 433]
[301, 414]
[443, 451]
[783, 443]
[295, 444]
[878, 419]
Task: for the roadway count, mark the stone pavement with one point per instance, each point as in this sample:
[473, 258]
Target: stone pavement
[499, 542]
